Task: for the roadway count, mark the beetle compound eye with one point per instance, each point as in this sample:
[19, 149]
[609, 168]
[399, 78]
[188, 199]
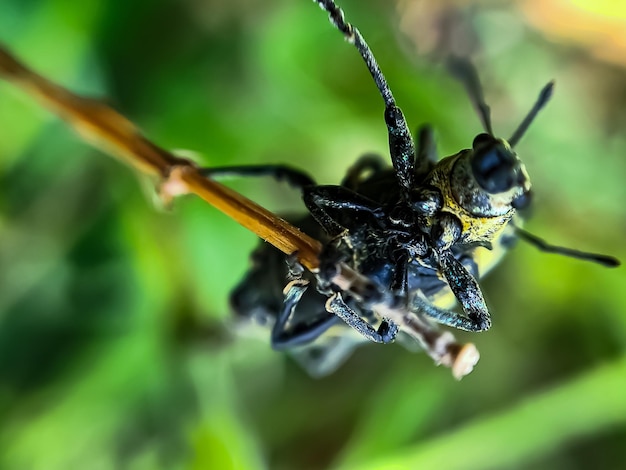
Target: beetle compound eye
[494, 169]
[482, 140]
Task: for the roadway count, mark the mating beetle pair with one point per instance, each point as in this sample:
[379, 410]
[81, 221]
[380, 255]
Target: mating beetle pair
[418, 231]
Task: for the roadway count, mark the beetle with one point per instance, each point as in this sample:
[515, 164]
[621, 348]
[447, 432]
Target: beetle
[422, 231]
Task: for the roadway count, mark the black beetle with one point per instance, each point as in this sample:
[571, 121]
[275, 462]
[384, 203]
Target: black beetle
[422, 231]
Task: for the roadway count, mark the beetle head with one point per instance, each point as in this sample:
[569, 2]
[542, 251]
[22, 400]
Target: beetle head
[498, 181]
[489, 179]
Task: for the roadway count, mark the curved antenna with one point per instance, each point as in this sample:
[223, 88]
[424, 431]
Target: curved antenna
[604, 260]
[465, 72]
[401, 145]
[353, 36]
[544, 97]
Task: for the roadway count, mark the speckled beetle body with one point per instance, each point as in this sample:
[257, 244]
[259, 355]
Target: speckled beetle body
[422, 231]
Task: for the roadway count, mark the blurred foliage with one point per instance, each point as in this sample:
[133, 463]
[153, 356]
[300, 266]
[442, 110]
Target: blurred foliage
[110, 347]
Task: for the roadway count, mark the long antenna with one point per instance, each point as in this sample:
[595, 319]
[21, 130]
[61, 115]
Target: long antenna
[465, 72]
[544, 97]
[353, 36]
[401, 147]
[604, 260]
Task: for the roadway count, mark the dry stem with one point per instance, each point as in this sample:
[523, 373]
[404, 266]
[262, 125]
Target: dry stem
[106, 128]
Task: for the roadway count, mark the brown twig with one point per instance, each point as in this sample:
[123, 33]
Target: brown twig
[108, 129]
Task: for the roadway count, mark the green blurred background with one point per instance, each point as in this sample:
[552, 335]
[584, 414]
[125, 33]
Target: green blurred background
[108, 307]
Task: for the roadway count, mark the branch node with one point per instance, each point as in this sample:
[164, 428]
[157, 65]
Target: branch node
[173, 185]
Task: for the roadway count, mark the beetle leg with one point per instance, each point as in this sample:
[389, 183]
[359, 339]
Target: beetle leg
[326, 354]
[386, 332]
[367, 163]
[442, 316]
[399, 286]
[467, 292]
[295, 178]
[323, 200]
[426, 150]
[284, 335]
[294, 269]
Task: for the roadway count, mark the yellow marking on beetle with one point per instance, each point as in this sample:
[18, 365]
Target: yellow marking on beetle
[476, 229]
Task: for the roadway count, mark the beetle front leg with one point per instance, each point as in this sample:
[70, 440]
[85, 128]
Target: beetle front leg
[296, 178]
[284, 335]
[399, 286]
[367, 163]
[468, 293]
[323, 201]
[442, 316]
[444, 234]
[386, 332]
